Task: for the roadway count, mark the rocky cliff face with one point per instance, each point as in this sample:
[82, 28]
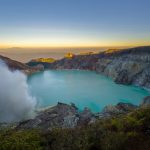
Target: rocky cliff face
[128, 66]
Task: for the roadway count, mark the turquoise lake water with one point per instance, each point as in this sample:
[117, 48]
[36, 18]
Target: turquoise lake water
[84, 88]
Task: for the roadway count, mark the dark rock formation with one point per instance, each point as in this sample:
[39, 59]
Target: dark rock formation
[68, 116]
[145, 102]
[112, 111]
[86, 117]
[59, 116]
[125, 107]
[143, 79]
[123, 77]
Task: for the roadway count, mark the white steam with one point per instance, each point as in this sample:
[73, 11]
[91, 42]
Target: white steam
[15, 101]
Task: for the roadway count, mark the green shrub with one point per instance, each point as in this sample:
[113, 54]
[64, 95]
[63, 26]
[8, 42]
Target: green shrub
[128, 132]
[20, 140]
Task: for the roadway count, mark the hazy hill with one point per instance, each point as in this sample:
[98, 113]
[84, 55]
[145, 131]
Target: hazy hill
[15, 65]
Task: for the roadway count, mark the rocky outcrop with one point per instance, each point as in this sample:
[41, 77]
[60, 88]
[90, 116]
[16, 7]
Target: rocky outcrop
[86, 117]
[112, 111]
[68, 116]
[59, 116]
[143, 79]
[145, 102]
[128, 66]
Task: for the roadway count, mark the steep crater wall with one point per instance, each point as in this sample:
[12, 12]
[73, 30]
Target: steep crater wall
[128, 66]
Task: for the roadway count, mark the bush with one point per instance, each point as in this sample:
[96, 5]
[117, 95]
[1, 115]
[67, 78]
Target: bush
[129, 132]
[20, 140]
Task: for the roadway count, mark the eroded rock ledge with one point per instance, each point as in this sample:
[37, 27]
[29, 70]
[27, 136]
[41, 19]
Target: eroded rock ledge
[68, 116]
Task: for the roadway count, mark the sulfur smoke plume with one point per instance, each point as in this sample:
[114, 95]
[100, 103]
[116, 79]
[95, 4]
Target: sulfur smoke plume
[15, 101]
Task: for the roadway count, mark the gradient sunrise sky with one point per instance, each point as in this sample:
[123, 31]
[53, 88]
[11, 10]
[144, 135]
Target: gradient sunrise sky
[71, 23]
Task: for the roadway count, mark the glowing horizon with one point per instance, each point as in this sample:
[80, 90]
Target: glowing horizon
[6, 46]
[69, 23]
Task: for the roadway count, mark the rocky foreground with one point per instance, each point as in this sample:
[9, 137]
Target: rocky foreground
[63, 127]
[130, 131]
[68, 116]
[127, 66]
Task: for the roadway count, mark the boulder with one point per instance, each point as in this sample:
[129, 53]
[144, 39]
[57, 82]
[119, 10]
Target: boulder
[145, 102]
[112, 111]
[143, 78]
[86, 117]
[125, 107]
[123, 77]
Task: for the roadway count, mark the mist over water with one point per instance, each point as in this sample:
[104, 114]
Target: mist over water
[84, 88]
[15, 101]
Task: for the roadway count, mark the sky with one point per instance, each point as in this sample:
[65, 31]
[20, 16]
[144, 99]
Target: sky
[74, 23]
